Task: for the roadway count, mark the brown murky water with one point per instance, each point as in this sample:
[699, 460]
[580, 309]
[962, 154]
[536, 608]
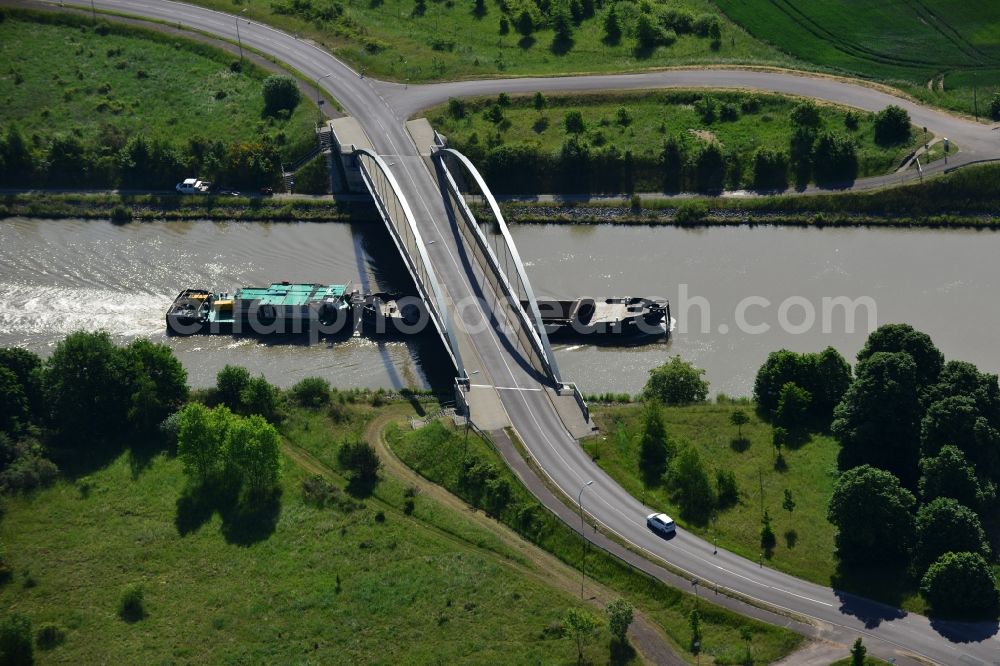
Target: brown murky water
[60, 276]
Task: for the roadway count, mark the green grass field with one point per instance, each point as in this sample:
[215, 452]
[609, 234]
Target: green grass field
[946, 45]
[329, 585]
[653, 117]
[105, 88]
[805, 538]
[436, 452]
[389, 39]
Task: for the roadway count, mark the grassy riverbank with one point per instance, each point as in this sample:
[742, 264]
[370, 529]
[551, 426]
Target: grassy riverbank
[967, 198]
[437, 453]
[356, 578]
[153, 207]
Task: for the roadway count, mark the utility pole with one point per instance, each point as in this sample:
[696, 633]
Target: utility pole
[586, 542]
[975, 96]
[93, 11]
[238, 40]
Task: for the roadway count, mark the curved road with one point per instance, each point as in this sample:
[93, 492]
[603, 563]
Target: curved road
[382, 108]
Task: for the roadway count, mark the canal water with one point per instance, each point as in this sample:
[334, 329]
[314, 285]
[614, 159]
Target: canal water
[737, 292]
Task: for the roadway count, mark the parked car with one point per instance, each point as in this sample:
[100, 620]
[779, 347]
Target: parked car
[661, 523]
[193, 186]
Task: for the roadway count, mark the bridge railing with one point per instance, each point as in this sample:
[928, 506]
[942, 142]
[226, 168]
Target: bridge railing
[395, 212]
[530, 331]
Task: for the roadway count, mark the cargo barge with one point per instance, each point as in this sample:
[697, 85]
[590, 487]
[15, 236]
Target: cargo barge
[294, 308]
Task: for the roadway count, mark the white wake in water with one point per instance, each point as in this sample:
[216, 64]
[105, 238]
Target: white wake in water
[33, 311]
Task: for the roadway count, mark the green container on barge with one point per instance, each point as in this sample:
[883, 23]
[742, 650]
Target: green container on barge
[281, 307]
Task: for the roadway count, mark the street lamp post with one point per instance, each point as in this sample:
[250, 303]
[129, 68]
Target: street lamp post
[583, 533]
[319, 102]
[238, 40]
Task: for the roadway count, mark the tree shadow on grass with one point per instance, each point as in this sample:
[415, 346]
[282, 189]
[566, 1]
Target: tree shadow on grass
[526, 42]
[361, 487]
[739, 444]
[244, 522]
[791, 539]
[561, 46]
[621, 653]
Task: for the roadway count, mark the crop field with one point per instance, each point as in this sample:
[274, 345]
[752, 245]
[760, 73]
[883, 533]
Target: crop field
[104, 88]
[935, 49]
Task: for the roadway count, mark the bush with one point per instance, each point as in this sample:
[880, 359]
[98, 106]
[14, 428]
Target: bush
[121, 215]
[690, 486]
[806, 114]
[770, 170]
[312, 392]
[691, 212]
[676, 382]
[360, 459]
[50, 635]
[16, 646]
[994, 108]
[960, 584]
[280, 93]
[835, 160]
[131, 605]
[726, 489]
[574, 123]
[892, 126]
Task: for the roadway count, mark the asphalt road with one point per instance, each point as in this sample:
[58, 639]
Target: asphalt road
[382, 107]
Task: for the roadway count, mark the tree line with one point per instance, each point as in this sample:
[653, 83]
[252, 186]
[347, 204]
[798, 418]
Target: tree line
[919, 458]
[586, 162]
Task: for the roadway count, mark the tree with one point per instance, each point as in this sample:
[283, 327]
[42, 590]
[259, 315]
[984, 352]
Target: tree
[905, 339]
[539, 101]
[767, 538]
[562, 26]
[877, 422]
[582, 626]
[159, 384]
[793, 408]
[770, 169]
[574, 123]
[260, 397]
[672, 159]
[14, 410]
[694, 620]
[648, 33]
[619, 618]
[201, 435]
[229, 384]
[892, 126]
[85, 394]
[945, 526]
[800, 152]
[858, 653]
[252, 457]
[727, 492]
[16, 646]
[710, 168]
[834, 159]
[739, 419]
[956, 420]
[949, 475]
[280, 93]
[872, 514]
[27, 369]
[690, 485]
[525, 24]
[360, 459]
[961, 584]
[806, 114]
[613, 27]
[676, 382]
[312, 392]
[788, 504]
[654, 447]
